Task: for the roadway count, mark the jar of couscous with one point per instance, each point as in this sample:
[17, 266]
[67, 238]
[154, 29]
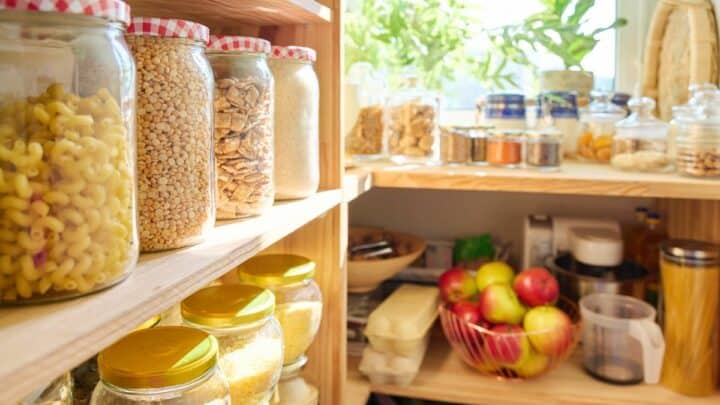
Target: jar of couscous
[298, 299]
[241, 317]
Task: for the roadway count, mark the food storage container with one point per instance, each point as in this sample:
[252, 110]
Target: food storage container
[505, 147]
[401, 324]
[167, 365]
[504, 111]
[690, 272]
[67, 135]
[478, 144]
[293, 389]
[243, 105]
[559, 110]
[250, 340]
[363, 111]
[641, 142]
[544, 149]
[298, 301]
[58, 392]
[384, 368]
[412, 128]
[176, 181]
[297, 120]
[455, 144]
[698, 146]
[621, 100]
[598, 128]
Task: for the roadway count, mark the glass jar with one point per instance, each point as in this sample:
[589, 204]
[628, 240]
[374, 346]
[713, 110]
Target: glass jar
[505, 148]
[412, 126]
[543, 150]
[176, 180]
[298, 299]
[504, 111]
[478, 144]
[67, 134]
[363, 108]
[640, 142]
[598, 128]
[690, 272]
[697, 143]
[251, 345]
[58, 392]
[455, 144]
[293, 389]
[561, 106]
[167, 365]
[243, 103]
[297, 120]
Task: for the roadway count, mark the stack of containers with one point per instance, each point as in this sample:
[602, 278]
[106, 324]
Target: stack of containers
[399, 332]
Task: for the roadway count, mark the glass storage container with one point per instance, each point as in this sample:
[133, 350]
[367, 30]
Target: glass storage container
[598, 128]
[544, 149]
[176, 180]
[251, 345]
[412, 124]
[243, 137]
[641, 140]
[690, 272]
[504, 111]
[363, 109]
[698, 142]
[167, 365]
[293, 389]
[58, 392]
[298, 301]
[297, 120]
[478, 144]
[561, 107]
[505, 148]
[455, 144]
[67, 134]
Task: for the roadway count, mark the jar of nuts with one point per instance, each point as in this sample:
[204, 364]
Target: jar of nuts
[641, 142]
[698, 147]
[598, 128]
[412, 127]
[174, 132]
[243, 102]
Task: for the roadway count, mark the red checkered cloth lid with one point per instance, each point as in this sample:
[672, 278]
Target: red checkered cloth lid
[294, 52]
[239, 44]
[164, 27]
[112, 10]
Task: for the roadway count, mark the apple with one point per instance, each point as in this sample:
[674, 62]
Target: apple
[536, 286]
[468, 311]
[457, 284]
[549, 330]
[534, 364]
[494, 273]
[499, 304]
[507, 345]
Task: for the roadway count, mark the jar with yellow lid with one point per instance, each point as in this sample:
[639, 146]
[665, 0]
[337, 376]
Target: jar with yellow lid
[298, 298]
[58, 392]
[241, 317]
[171, 365]
[293, 389]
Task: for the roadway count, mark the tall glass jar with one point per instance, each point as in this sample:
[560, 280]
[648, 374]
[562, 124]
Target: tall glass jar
[58, 392]
[641, 141]
[412, 124]
[168, 365]
[243, 102]
[176, 180]
[598, 128]
[251, 345]
[67, 177]
[297, 120]
[298, 299]
[363, 112]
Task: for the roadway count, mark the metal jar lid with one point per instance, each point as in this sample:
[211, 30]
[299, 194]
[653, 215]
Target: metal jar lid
[691, 250]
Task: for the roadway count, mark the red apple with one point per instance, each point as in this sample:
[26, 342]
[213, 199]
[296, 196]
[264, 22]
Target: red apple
[468, 311]
[457, 284]
[549, 330]
[507, 345]
[536, 286]
[499, 304]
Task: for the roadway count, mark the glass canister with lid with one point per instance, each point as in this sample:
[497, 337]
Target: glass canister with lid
[559, 109]
[250, 340]
[698, 140]
[176, 180]
[167, 365]
[598, 128]
[412, 123]
[298, 300]
[67, 134]
[243, 105]
[297, 122]
[363, 111]
[641, 140]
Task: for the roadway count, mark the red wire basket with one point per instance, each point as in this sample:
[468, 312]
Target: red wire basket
[511, 355]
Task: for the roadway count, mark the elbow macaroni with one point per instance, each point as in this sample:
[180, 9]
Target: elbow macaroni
[66, 195]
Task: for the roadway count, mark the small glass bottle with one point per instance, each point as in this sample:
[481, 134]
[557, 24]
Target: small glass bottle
[412, 124]
[641, 142]
[635, 235]
[505, 148]
[655, 236]
[478, 144]
[598, 128]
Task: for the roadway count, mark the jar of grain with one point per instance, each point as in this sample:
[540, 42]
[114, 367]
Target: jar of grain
[298, 298]
[67, 160]
[641, 141]
[297, 120]
[293, 389]
[241, 317]
[412, 126]
[176, 179]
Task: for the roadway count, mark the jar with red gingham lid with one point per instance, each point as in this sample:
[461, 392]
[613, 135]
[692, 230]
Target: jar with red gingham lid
[243, 103]
[67, 135]
[297, 116]
[176, 180]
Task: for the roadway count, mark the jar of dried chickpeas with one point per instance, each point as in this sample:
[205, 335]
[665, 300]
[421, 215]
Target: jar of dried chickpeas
[67, 115]
[176, 182]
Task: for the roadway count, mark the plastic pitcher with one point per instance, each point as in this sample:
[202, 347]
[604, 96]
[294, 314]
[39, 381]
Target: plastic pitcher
[622, 344]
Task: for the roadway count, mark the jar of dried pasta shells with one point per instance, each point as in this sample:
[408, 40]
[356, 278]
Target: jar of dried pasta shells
[174, 132]
[412, 129]
[243, 123]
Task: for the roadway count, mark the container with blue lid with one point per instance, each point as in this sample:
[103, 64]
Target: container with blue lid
[504, 111]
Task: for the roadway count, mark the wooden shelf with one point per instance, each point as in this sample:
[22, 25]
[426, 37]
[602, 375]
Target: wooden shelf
[443, 377]
[355, 183]
[38, 343]
[575, 178]
[227, 13]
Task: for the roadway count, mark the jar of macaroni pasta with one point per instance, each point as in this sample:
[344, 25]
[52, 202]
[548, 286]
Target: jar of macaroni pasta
[243, 103]
[167, 365]
[58, 392]
[176, 180]
[67, 115]
[241, 317]
[298, 299]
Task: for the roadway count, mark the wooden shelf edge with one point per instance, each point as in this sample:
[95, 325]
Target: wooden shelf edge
[38, 343]
[355, 183]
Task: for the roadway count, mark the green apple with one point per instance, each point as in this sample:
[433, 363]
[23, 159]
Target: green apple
[534, 364]
[494, 273]
[549, 330]
[499, 304]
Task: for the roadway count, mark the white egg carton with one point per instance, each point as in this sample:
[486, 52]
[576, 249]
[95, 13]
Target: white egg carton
[387, 368]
